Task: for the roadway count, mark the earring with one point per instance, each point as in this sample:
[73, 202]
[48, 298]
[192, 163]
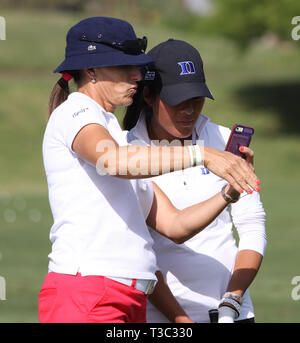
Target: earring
[93, 80]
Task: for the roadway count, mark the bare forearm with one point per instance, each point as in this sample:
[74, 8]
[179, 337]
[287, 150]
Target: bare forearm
[247, 264]
[95, 145]
[180, 225]
[163, 299]
[194, 219]
[143, 161]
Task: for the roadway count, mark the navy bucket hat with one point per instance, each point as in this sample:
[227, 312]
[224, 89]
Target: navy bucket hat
[103, 42]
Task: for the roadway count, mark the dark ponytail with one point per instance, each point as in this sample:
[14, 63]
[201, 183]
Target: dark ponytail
[133, 111]
[61, 91]
[139, 104]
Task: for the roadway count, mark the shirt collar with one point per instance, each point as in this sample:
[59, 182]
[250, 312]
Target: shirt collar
[199, 126]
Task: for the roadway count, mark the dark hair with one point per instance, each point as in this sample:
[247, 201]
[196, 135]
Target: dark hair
[138, 105]
[61, 91]
[133, 111]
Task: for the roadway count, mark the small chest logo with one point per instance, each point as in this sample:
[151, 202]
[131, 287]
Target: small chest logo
[187, 68]
[205, 171]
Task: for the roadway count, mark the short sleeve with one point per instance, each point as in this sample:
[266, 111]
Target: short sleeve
[75, 116]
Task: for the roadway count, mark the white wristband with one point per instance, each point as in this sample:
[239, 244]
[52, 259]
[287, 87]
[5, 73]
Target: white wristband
[226, 314]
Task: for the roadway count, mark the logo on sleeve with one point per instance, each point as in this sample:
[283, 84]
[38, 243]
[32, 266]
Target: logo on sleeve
[78, 112]
[187, 68]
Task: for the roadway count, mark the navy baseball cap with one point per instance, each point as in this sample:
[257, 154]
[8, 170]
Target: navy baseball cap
[178, 72]
[103, 42]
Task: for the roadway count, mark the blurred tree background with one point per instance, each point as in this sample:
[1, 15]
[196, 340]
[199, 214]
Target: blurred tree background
[239, 20]
[252, 66]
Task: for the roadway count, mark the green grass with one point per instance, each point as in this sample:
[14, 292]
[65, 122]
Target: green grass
[259, 88]
[25, 221]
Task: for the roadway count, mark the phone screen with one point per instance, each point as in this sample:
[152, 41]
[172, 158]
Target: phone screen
[240, 136]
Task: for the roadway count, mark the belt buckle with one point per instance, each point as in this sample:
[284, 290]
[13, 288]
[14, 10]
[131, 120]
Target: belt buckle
[150, 286]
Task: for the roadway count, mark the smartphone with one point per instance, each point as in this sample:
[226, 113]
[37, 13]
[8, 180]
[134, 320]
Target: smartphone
[240, 136]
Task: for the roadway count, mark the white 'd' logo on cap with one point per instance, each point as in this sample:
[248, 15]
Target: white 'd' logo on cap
[187, 68]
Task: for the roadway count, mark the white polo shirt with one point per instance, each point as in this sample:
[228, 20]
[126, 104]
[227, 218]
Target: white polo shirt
[199, 270]
[99, 225]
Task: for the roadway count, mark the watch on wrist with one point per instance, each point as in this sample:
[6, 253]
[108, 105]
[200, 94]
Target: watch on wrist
[228, 198]
[233, 301]
[233, 296]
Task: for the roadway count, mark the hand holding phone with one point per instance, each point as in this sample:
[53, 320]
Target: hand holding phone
[240, 136]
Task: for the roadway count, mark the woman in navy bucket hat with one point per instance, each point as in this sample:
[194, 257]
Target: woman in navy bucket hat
[102, 266]
[90, 45]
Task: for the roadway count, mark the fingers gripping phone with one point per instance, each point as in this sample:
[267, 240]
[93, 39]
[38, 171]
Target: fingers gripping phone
[240, 136]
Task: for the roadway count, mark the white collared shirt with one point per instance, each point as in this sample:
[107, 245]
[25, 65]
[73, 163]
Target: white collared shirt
[199, 270]
[99, 225]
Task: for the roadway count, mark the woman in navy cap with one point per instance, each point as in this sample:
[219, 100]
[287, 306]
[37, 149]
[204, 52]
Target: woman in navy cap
[102, 266]
[207, 272]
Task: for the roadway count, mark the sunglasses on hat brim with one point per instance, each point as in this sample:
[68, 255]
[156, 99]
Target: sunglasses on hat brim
[131, 46]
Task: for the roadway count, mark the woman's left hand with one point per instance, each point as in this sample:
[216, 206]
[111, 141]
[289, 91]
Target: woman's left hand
[250, 159]
[249, 155]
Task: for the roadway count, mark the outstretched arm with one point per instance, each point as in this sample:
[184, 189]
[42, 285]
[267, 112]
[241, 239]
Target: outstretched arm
[94, 144]
[181, 225]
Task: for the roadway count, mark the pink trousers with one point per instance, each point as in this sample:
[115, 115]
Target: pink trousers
[89, 299]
